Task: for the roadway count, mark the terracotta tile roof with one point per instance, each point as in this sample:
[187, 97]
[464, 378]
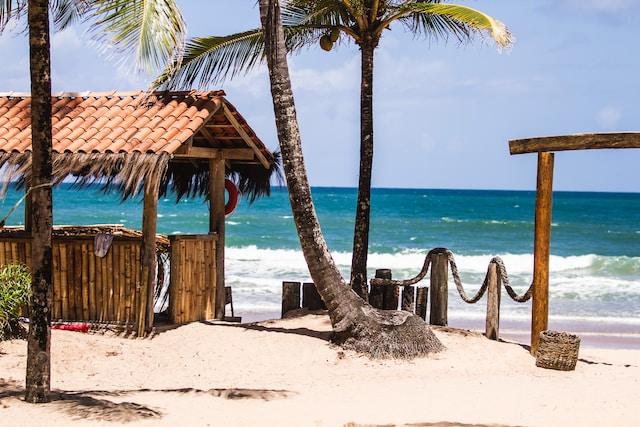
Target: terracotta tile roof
[119, 122]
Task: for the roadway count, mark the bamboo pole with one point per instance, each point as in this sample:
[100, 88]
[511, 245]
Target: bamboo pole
[216, 224]
[541, 249]
[492, 324]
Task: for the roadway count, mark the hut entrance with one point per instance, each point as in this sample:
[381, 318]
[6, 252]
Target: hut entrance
[545, 147]
[186, 143]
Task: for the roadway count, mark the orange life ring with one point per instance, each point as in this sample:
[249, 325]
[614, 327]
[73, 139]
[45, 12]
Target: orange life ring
[233, 196]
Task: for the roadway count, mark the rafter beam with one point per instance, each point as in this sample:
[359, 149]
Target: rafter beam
[229, 115]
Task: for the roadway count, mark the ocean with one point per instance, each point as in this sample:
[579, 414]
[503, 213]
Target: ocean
[595, 263]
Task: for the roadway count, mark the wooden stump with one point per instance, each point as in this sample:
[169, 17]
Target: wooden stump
[421, 302]
[439, 289]
[390, 294]
[408, 303]
[290, 297]
[376, 294]
[311, 298]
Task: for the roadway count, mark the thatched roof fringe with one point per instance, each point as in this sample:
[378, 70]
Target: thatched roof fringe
[127, 172]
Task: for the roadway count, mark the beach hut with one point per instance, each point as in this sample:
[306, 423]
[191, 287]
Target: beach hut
[190, 143]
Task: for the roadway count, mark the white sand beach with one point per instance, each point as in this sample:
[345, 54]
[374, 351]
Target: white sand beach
[285, 373]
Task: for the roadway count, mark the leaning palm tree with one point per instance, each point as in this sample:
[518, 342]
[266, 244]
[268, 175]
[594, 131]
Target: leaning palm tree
[356, 324]
[157, 28]
[209, 60]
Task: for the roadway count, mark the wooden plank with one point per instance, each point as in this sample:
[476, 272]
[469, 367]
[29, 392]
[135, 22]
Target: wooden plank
[129, 292]
[541, 248]
[93, 300]
[408, 303]
[122, 285]
[3, 260]
[492, 323]
[439, 288]
[77, 280]
[97, 268]
[86, 289]
[110, 315]
[56, 310]
[588, 141]
[422, 295]
[229, 115]
[64, 283]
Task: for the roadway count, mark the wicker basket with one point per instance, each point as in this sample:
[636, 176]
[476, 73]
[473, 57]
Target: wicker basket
[557, 350]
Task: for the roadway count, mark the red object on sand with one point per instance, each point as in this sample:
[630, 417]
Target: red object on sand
[76, 327]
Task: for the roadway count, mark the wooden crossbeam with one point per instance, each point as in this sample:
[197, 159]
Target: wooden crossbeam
[245, 137]
[216, 153]
[587, 141]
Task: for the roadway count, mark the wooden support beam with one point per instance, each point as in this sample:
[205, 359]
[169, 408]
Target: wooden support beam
[541, 250]
[149, 226]
[216, 225]
[229, 115]
[590, 141]
[208, 136]
[216, 153]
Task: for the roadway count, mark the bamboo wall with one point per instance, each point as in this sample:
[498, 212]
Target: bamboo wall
[192, 292]
[87, 287]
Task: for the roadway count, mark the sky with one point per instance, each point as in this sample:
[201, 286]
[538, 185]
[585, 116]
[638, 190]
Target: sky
[443, 112]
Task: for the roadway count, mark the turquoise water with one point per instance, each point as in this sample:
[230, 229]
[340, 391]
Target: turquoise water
[595, 265]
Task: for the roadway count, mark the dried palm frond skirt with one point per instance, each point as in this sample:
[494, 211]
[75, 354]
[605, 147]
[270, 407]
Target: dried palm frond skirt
[557, 350]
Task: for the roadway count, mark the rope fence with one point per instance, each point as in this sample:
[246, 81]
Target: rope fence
[438, 261]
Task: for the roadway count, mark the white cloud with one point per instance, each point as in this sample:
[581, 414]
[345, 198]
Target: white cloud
[608, 117]
[67, 40]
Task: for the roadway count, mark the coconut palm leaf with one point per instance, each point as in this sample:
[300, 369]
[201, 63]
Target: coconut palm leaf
[10, 9]
[67, 12]
[211, 60]
[439, 19]
[152, 29]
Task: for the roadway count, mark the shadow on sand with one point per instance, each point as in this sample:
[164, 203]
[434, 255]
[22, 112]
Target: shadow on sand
[92, 405]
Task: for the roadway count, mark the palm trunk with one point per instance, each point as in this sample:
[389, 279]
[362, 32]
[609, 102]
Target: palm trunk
[363, 208]
[356, 324]
[38, 341]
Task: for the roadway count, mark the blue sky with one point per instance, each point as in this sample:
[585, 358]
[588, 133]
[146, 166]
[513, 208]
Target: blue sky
[443, 112]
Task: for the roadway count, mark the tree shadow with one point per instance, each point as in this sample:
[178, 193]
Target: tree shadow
[93, 405]
[264, 327]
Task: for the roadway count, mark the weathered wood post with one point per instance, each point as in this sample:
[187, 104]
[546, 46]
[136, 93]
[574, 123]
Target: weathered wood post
[421, 302]
[216, 225]
[311, 298]
[439, 289]
[376, 293]
[408, 303]
[390, 294]
[290, 297]
[541, 249]
[494, 286]
[149, 260]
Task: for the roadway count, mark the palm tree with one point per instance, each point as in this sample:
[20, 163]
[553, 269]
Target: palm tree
[209, 60]
[159, 28]
[356, 324]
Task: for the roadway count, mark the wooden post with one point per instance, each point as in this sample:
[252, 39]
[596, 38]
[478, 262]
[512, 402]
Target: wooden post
[216, 225]
[408, 303]
[544, 200]
[390, 294]
[376, 293]
[290, 297]
[439, 289]
[421, 302]
[492, 325]
[149, 225]
[311, 298]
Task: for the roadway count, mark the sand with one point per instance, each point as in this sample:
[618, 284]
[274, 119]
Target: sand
[285, 373]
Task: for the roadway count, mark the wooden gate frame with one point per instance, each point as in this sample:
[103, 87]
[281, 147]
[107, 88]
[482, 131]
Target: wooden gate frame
[545, 147]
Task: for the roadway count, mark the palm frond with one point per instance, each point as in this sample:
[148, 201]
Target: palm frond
[438, 19]
[208, 61]
[152, 29]
[67, 12]
[9, 10]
